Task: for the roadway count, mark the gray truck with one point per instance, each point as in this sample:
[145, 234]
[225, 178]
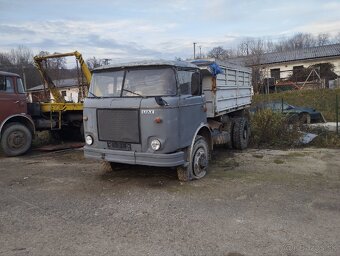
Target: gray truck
[166, 113]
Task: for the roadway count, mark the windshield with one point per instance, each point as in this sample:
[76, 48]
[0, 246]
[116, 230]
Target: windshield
[137, 83]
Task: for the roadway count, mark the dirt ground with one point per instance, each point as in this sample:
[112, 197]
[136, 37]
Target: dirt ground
[256, 202]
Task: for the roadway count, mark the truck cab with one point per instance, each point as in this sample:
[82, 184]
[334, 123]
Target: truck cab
[149, 113]
[16, 126]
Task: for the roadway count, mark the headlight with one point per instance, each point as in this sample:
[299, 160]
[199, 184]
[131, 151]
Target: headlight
[89, 140]
[155, 144]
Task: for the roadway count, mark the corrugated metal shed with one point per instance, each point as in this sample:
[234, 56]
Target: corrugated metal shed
[294, 55]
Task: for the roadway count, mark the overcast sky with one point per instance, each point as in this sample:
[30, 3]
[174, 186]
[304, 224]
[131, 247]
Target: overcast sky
[156, 29]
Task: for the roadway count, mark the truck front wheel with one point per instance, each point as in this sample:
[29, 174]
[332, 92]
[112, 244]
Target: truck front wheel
[198, 164]
[16, 139]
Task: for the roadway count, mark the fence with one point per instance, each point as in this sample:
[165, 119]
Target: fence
[325, 101]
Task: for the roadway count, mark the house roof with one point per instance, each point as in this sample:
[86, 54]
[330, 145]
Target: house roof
[295, 55]
[62, 83]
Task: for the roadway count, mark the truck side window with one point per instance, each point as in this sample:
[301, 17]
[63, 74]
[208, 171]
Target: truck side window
[184, 79]
[195, 84]
[6, 84]
[9, 84]
[20, 86]
[2, 83]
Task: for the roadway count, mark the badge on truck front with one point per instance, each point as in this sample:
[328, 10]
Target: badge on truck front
[148, 111]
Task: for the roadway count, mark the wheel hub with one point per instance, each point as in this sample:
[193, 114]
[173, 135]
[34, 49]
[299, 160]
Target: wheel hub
[200, 162]
[16, 139]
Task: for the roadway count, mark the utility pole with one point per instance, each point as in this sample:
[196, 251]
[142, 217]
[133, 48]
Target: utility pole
[194, 50]
[200, 51]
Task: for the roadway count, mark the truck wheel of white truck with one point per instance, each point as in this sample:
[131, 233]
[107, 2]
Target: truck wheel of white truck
[241, 133]
[16, 139]
[198, 164]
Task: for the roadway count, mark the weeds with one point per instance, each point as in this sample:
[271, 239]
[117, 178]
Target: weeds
[272, 129]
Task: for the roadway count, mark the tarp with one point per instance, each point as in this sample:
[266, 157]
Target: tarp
[215, 69]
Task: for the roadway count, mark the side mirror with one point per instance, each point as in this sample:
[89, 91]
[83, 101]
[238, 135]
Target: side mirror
[160, 101]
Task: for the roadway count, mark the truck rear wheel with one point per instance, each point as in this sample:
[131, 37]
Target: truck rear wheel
[198, 164]
[241, 133]
[16, 139]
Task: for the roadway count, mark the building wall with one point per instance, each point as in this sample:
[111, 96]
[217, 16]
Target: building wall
[71, 95]
[286, 68]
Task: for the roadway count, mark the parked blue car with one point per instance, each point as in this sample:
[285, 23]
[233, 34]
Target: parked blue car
[295, 113]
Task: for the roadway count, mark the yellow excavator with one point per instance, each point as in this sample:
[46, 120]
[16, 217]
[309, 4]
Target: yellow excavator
[62, 117]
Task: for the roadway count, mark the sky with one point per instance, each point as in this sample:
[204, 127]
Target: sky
[129, 30]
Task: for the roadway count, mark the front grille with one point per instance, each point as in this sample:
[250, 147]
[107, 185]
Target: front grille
[118, 125]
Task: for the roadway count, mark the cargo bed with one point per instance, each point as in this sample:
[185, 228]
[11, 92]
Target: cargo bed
[226, 86]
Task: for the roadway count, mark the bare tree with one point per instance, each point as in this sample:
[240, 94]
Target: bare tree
[94, 62]
[53, 63]
[323, 39]
[219, 53]
[243, 48]
[270, 46]
[5, 60]
[21, 56]
[337, 38]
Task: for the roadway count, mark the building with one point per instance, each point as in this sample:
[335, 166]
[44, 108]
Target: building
[69, 89]
[283, 66]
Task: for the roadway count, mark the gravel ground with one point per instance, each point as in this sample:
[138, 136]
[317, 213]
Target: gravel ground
[255, 202]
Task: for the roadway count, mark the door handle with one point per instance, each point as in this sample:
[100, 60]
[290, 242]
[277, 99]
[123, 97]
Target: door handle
[16, 101]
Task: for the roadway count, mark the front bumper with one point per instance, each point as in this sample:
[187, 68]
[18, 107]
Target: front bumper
[131, 157]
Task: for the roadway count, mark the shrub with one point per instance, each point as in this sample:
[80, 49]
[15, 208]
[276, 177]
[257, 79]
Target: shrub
[273, 129]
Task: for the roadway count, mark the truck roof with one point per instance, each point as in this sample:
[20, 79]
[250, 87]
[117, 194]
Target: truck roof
[204, 63]
[4, 73]
[144, 63]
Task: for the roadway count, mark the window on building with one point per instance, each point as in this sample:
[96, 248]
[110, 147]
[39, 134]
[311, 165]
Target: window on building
[63, 93]
[297, 70]
[275, 73]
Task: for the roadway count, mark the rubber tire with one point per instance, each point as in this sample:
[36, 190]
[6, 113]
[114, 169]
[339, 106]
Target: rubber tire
[13, 127]
[187, 173]
[239, 140]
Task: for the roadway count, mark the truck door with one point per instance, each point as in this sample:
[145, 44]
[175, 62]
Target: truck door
[11, 102]
[191, 105]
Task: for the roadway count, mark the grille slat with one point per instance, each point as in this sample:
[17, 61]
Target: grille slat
[120, 125]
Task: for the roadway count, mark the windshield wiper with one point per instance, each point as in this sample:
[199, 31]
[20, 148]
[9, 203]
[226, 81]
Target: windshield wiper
[94, 95]
[135, 93]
